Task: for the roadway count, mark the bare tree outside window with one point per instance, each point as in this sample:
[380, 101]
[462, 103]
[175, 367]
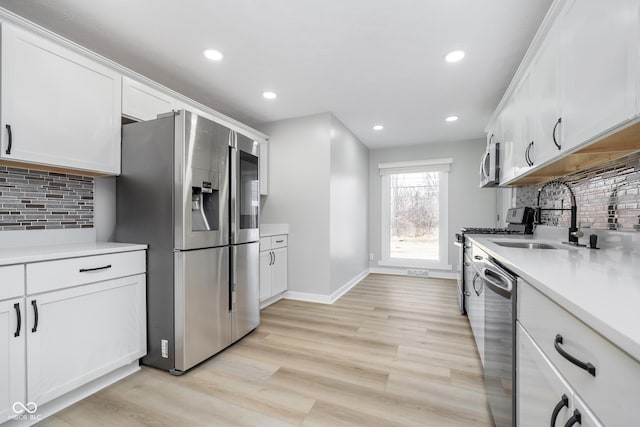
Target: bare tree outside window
[414, 216]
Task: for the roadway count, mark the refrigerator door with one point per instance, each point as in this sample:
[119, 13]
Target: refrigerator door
[202, 182]
[245, 289]
[203, 324]
[245, 190]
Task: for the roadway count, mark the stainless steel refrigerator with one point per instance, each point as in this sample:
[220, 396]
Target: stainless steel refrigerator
[189, 188]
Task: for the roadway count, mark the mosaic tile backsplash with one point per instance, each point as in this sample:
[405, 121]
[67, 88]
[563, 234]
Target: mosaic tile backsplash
[608, 196]
[36, 200]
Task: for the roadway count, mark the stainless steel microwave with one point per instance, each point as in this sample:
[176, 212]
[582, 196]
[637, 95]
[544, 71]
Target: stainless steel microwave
[490, 165]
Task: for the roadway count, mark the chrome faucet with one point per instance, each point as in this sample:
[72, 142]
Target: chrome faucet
[574, 234]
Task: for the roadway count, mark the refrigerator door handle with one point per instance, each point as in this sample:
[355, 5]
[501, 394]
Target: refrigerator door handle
[233, 200]
[234, 275]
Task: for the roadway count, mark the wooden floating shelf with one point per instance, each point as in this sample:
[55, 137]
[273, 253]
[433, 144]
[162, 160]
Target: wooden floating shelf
[611, 147]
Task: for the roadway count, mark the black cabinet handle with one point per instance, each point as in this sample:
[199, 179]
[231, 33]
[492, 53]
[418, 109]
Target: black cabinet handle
[527, 154]
[271, 257]
[274, 258]
[586, 366]
[16, 306]
[478, 257]
[555, 141]
[564, 402]
[279, 241]
[35, 315]
[104, 267]
[577, 418]
[10, 139]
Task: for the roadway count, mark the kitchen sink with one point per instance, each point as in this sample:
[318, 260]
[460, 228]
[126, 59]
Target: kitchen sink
[525, 245]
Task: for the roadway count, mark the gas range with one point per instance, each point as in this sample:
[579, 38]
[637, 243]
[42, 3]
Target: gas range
[519, 221]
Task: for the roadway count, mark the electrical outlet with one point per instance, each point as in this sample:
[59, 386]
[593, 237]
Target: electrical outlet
[372, 257]
[164, 344]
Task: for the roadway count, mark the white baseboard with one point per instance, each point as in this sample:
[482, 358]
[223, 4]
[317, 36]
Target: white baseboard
[347, 286]
[271, 300]
[326, 299]
[74, 396]
[435, 274]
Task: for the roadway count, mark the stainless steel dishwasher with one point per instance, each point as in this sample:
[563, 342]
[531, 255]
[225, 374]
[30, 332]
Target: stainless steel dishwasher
[499, 339]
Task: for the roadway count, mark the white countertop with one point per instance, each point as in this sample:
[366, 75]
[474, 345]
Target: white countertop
[599, 287]
[26, 254]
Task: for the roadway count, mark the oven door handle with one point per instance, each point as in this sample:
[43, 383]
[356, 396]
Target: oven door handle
[498, 282]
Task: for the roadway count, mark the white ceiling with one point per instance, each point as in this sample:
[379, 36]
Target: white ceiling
[367, 61]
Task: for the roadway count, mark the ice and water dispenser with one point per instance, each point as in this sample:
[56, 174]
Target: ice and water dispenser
[205, 205]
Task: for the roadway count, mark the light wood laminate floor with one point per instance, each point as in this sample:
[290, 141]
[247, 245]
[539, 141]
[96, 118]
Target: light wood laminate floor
[392, 351]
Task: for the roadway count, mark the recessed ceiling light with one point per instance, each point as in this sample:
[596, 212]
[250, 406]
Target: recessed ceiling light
[378, 127]
[269, 95]
[451, 119]
[454, 56]
[213, 54]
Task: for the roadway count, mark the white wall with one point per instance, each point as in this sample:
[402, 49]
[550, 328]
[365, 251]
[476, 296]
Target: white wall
[299, 165]
[349, 186]
[104, 208]
[468, 205]
[318, 184]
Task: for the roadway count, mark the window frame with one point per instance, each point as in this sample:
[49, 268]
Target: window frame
[386, 170]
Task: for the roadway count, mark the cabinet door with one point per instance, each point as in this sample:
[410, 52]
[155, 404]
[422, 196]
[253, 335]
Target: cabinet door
[599, 65]
[540, 387]
[475, 311]
[12, 356]
[279, 271]
[587, 418]
[82, 333]
[63, 109]
[141, 102]
[507, 142]
[265, 274]
[524, 145]
[545, 93]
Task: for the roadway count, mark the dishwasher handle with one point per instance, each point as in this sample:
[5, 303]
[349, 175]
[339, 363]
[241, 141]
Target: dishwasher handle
[498, 282]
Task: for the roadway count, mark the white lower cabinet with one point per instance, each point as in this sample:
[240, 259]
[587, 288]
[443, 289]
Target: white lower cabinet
[602, 380]
[12, 355]
[60, 334]
[474, 300]
[273, 266]
[78, 334]
[543, 397]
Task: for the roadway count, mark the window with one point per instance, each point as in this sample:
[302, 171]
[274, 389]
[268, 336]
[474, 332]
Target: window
[414, 214]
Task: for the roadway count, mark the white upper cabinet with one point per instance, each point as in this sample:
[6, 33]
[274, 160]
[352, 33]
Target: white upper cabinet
[141, 102]
[507, 121]
[60, 108]
[524, 145]
[545, 97]
[599, 67]
[581, 82]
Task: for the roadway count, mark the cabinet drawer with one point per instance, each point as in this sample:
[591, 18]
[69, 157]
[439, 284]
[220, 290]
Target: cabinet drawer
[265, 244]
[12, 284]
[279, 241]
[59, 274]
[615, 389]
